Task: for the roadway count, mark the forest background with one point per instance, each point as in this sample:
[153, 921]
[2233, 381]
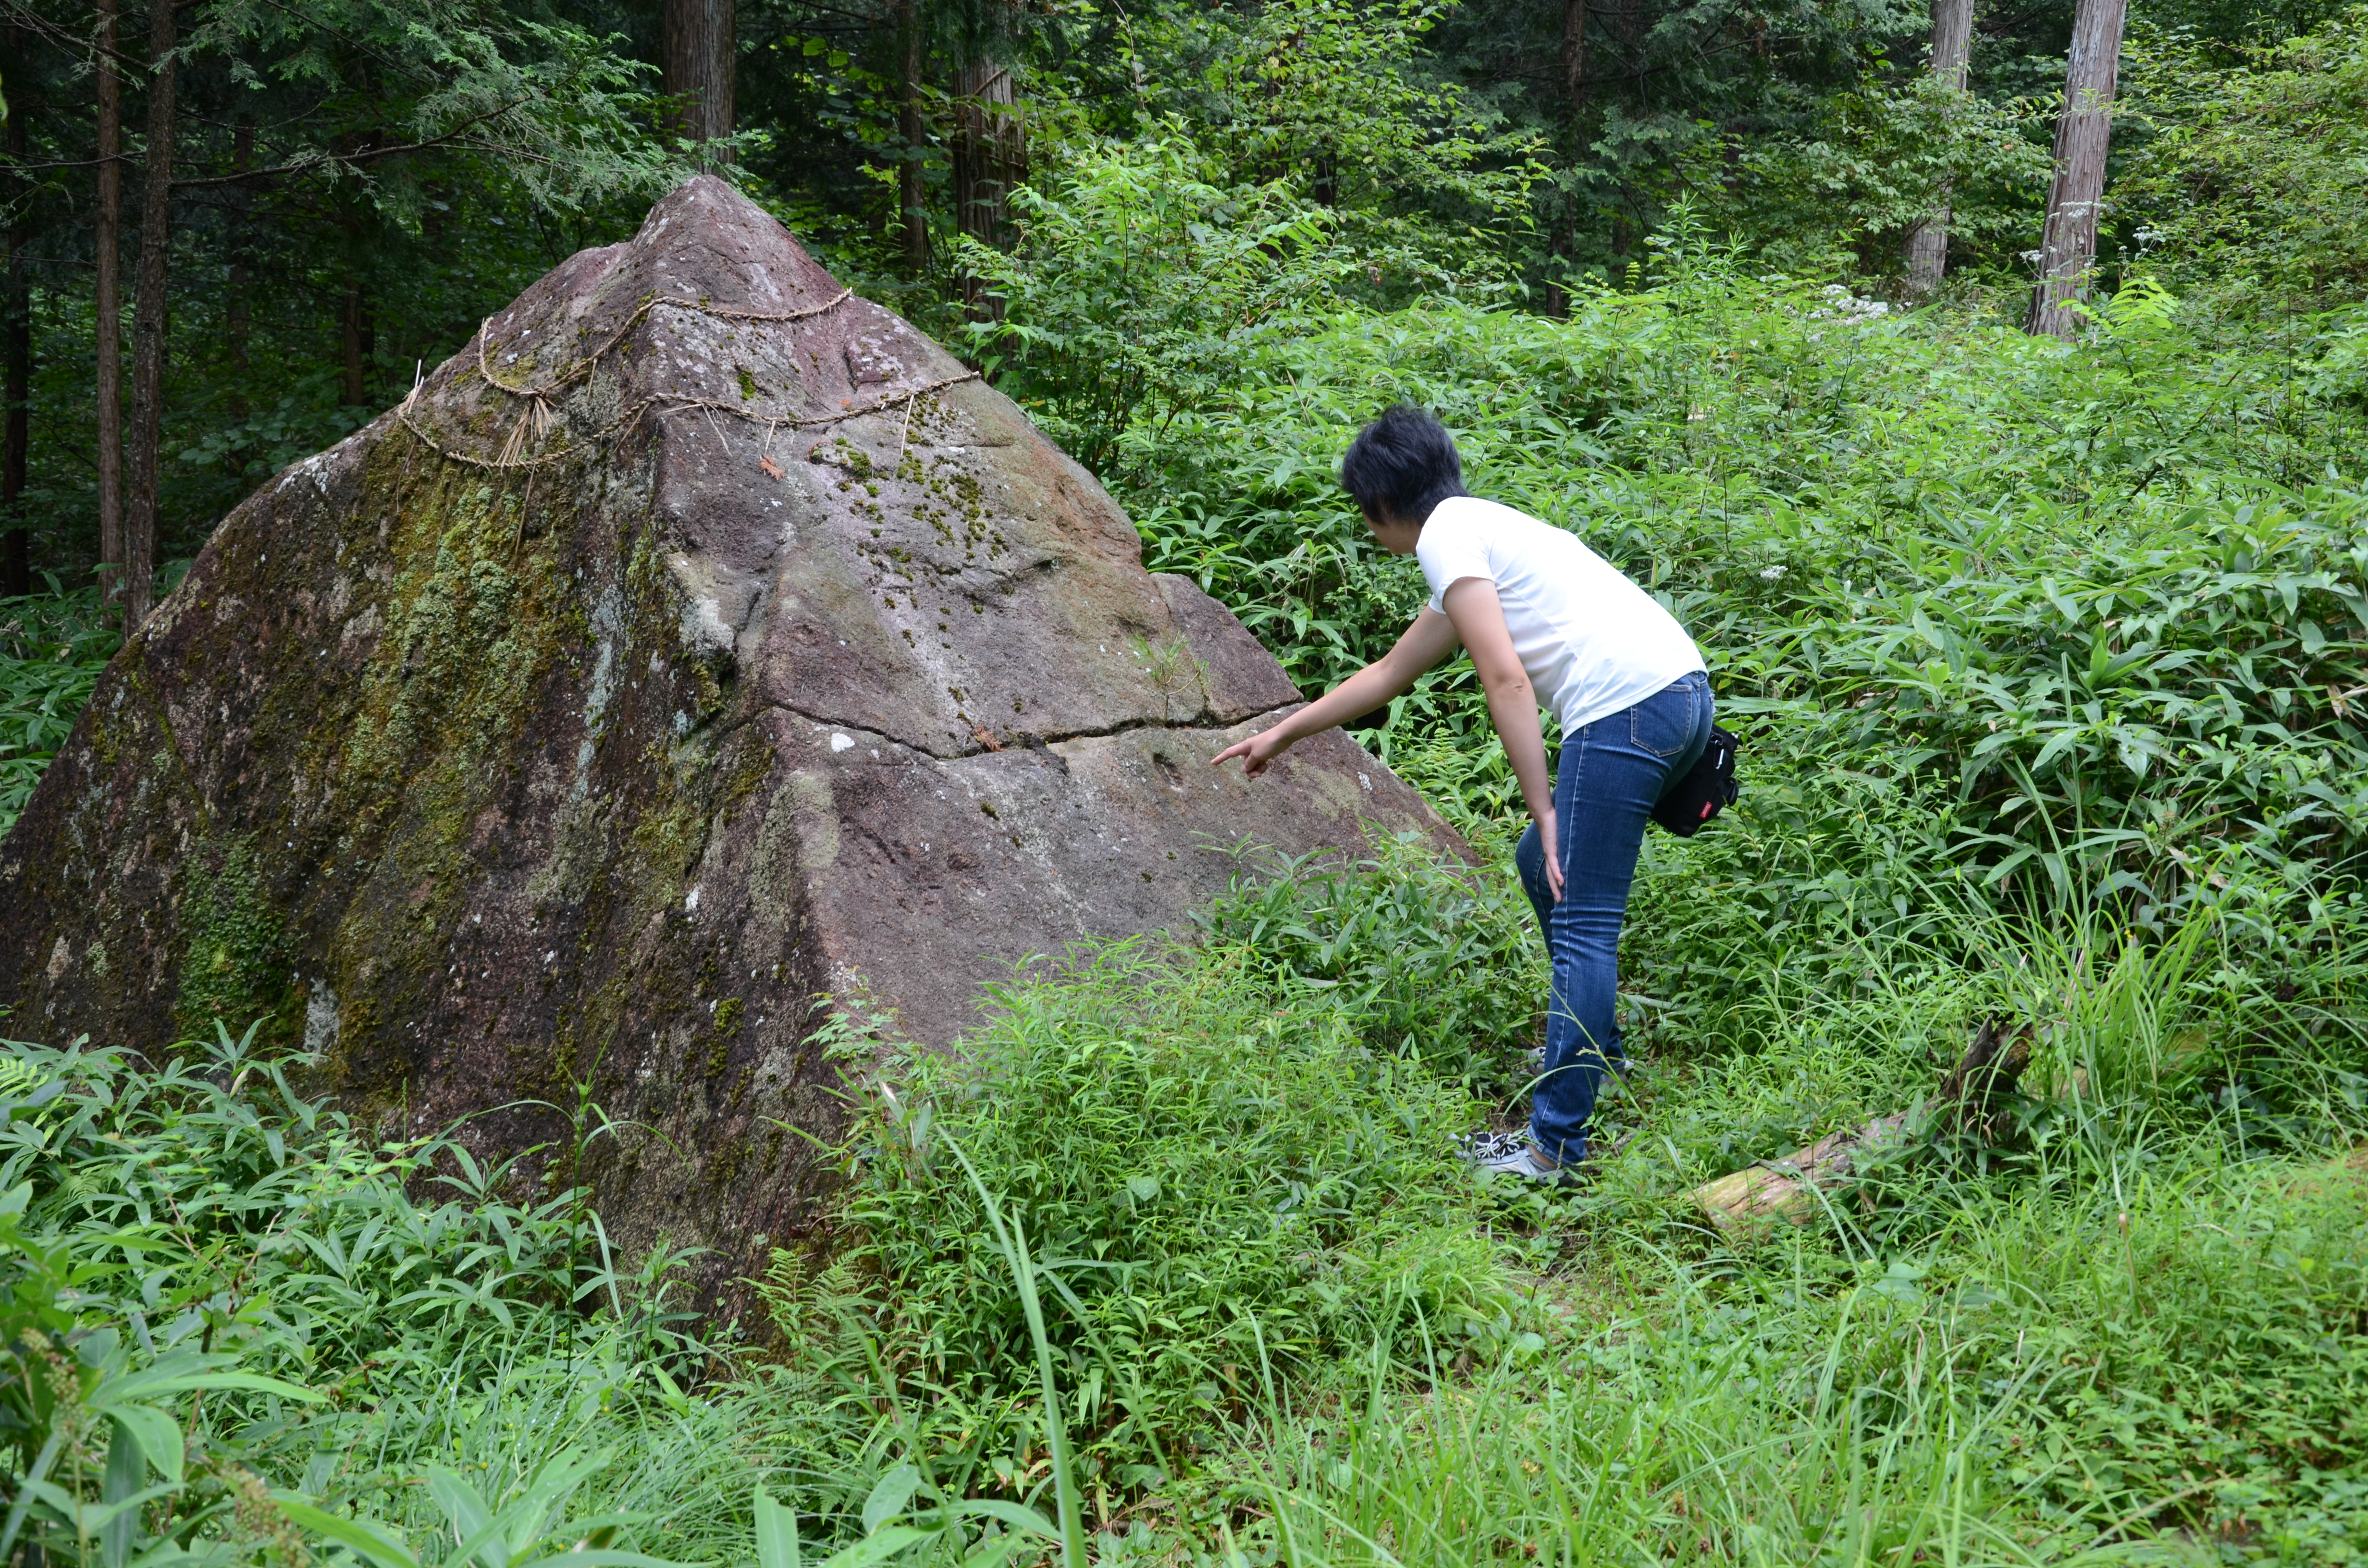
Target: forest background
[344, 190]
[2047, 651]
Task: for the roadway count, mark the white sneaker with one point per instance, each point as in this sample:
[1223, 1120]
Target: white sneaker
[1515, 1154]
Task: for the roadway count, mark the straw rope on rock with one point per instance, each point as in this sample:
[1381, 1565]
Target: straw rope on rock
[536, 419]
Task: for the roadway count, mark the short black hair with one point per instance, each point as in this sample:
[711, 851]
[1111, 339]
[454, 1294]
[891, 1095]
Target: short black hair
[1402, 465]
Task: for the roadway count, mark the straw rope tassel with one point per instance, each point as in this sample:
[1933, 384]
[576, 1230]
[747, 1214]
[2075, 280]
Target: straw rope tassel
[518, 541]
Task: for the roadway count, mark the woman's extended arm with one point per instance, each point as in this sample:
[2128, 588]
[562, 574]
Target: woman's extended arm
[1479, 620]
[1430, 639]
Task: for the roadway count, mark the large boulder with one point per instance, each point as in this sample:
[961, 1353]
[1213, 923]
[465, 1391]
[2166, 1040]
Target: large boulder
[700, 642]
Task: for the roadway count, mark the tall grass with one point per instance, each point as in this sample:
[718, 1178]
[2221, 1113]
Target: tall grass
[2141, 1317]
[2011, 1393]
[2138, 1315]
[1214, 1177]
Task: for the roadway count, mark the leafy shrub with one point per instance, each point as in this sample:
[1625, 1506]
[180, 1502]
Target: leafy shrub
[1871, 169]
[1222, 1185]
[237, 1209]
[1431, 960]
[208, 1279]
[1138, 285]
[1338, 99]
[1145, 276]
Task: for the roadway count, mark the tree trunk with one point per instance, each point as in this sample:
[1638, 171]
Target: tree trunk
[1559, 249]
[1628, 24]
[911, 193]
[990, 149]
[1574, 54]
[1928, 243]
[1574, 86]
[1324, 186]
[698, 43]
[354, 329]
[17, 348]
[2083, 132]
[354, 325]
[990, 156]
[148, 329]
[109, 305]
[237, 315]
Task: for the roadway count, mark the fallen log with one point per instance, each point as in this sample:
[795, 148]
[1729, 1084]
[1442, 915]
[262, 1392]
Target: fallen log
[1788, 1189]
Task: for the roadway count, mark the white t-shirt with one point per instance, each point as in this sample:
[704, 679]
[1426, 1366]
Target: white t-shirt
[1592, 642]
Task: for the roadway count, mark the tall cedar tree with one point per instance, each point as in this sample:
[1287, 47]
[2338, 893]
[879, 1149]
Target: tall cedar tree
[1928, 243]
[17, 344]
[296, 156]
[2067, 249]
[700, 44]
[108, 301]
[147, 455]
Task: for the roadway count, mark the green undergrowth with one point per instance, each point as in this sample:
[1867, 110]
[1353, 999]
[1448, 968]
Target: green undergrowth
[1280, 1324]
[51, 648]
[214, 1292]
[2084, 619]
[2129, 1322]
[2170, 1374]
[1440, 968]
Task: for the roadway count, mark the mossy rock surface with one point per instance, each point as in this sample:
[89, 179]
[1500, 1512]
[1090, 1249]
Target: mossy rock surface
[795, 666]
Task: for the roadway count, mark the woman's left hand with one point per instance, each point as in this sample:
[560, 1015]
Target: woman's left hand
[1550, 840]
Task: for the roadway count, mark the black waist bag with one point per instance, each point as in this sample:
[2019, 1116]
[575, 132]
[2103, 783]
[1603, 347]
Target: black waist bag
[1707, 789]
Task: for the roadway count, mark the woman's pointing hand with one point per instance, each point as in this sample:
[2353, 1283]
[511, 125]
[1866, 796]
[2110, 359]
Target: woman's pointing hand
[1257, 752]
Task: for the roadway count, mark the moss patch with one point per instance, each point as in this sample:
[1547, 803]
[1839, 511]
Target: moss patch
[234, 953]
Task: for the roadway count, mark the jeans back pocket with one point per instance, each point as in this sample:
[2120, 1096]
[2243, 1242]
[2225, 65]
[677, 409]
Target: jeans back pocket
[1664, 722]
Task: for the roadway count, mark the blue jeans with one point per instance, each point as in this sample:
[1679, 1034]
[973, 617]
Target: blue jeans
[1613, 773]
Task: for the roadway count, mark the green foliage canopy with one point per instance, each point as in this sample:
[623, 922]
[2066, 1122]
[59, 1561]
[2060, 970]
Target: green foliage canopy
[2253, 186]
